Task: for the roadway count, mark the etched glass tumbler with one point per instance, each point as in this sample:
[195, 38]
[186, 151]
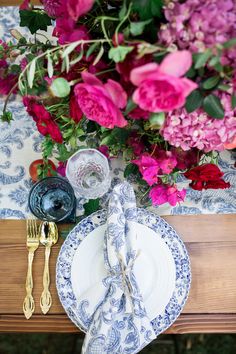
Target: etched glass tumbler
[89, 174]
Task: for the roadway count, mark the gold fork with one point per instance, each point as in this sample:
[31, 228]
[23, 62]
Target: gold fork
[32, 244]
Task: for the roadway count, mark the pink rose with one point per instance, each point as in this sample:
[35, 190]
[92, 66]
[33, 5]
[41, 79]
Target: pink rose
[101, 102]
[161, 88]
[161, 194]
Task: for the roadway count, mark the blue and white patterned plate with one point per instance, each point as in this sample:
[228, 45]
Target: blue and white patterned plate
[80, 311]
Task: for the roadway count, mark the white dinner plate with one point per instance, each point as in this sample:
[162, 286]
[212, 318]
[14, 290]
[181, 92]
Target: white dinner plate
[162, 269]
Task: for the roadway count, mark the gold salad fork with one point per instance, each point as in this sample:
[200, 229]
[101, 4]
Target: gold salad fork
[32, 244]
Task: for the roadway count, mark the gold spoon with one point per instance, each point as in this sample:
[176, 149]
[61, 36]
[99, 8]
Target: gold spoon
[48, 237]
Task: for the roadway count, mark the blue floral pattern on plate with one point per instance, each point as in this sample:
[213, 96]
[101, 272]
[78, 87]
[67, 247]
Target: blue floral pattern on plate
[77, 312]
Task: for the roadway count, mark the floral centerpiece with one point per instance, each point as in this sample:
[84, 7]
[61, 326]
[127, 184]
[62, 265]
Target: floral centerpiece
[152, 81]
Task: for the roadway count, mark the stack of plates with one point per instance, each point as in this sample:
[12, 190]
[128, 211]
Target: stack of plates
[162, 269]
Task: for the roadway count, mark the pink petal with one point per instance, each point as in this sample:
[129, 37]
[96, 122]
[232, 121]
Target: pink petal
[77, 8]
[141, 73]
[188, 86]
[117, 93]
[177, 63]
[90, 79]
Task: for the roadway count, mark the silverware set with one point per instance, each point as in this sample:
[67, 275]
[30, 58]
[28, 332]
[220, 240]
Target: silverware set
[47, 235]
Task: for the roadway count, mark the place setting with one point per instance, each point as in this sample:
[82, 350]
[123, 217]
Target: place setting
[122, 274]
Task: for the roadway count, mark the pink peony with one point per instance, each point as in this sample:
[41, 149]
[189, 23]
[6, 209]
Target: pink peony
[161, 88]
[148, 167]
[198, 130]
[67, 32]
[101, 102]
[161, 194]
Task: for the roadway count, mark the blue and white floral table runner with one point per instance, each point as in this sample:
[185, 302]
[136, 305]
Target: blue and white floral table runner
[20, 145]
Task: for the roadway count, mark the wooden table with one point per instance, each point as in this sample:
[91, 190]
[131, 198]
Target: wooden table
[211, 307]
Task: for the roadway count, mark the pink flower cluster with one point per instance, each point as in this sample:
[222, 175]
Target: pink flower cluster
[161, 194]
[7, 80]
[162, 162]
[198, 130]
[199, 24]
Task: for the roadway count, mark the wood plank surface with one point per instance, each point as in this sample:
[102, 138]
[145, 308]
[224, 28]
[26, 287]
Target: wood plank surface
[17, 2]
[211, 307]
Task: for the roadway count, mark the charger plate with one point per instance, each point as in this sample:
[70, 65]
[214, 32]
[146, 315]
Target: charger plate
[162, 269]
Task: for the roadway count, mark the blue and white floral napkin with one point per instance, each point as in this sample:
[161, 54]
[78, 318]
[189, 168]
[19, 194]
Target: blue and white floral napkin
[120, 323]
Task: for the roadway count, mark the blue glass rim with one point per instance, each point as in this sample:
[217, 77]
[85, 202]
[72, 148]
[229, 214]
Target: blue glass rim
[57, 179]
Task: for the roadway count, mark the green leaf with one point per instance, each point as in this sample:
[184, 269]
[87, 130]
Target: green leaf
[49, 65]
[214, 61]
[190, 73]
[92, 49]
[123, 11]
[211, 82]
[230, 43]
[213, 107]
[31, 73]
[76, 60]
[148, 8]
[6, 117]
[200, 59]
[130, 106]
[137, 28]
[193, 101]
[233, 101]
[130, 169]
[92, 206]
[119, 53]
[100, 54]
[223, 87]
[35, 20]
[69, 49]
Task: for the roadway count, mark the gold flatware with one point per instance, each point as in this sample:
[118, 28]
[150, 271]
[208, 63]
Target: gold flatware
[48, 237]
[32, 244]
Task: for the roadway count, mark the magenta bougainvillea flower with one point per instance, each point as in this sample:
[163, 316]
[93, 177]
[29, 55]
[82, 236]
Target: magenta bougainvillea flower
[64, 8]
[161, 194]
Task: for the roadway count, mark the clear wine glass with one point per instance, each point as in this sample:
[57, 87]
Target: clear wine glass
[89, 174]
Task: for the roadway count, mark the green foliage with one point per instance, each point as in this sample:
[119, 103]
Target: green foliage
[119, 53]
[137, 28]
[6, 117]
[148, 8]
[35, 20]
[200, 59]
[211, 82]
[91, 206]
[213, 107]
[233, 101]
[130, 169]
[193, 101]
